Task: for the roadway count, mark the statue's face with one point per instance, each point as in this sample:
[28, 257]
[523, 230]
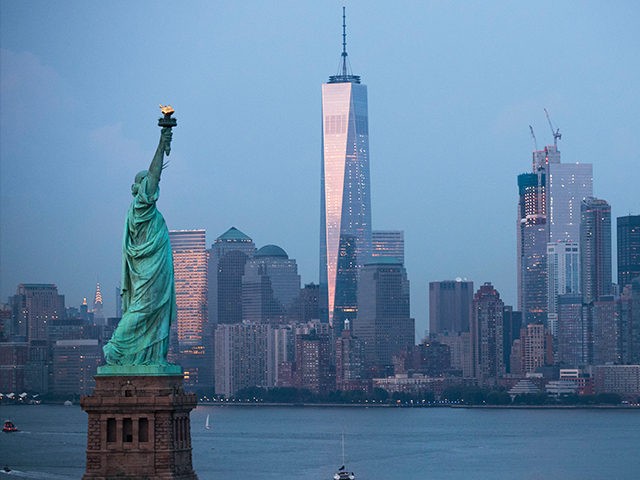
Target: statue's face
[137, 181]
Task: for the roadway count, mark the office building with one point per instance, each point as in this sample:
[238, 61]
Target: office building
[621, 379]
[605, 337]
[194, 333]
[384, 323]
[568, 185]
[35, 306]
[533, 348]
[487, 335]
[314, 363]
[628, 309]
[190, 260]
[572, 338]
[227, 258]
[511, 325]
[270, 286]
[460, 351]
[595, 249]
[532, 246]
[13, 362]
[548, 212]
[450, 304]
[628, 249]
[345, 217]
[388, 244]
[75, 363]
[306, 307]
[98, 313]
[241, 357]
[350, 367]
[563, 267]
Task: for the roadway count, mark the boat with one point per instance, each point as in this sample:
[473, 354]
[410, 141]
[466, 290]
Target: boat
[206, 423]
[343, 473]
[9, 427]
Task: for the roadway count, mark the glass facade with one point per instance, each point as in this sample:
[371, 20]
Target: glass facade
[569, 184]
[345, 227]
[190, 260]
[270, 286]
[628, 249]
[227, 259]
[388, 244]
[595, 249]
[563, 263]
[384, 323]
[532, 246]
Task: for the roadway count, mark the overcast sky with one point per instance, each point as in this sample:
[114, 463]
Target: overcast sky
[453, 88]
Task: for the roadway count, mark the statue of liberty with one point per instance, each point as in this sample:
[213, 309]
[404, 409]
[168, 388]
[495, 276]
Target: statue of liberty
[148, 291]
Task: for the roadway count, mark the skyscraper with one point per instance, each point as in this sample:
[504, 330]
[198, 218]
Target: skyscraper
[190, 273]
[270, 285]
[384, 323]
[533, 347]
[595, 249]
[532, 245]
[97, 304]
[241, 356]
[450, 304]
[35, 307]
[629, 329]
[563, 268]
[628, 249]
[345, 217]
[548, 212]
[487, 335]
[227, 258]
[568, 185]
[349, 361]
[195, 335]
[573, 331]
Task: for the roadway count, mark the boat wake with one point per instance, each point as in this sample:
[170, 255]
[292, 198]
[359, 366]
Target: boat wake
[7, 472]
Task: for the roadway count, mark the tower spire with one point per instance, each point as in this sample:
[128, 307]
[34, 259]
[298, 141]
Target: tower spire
[344, 41]
[343, 75]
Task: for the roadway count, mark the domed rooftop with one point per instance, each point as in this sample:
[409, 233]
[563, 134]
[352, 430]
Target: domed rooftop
[271, 251]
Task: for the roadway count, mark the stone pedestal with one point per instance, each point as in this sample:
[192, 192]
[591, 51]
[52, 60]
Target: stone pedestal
[139, 428]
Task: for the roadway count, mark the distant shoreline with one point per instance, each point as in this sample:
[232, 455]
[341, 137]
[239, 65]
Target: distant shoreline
[388, 405]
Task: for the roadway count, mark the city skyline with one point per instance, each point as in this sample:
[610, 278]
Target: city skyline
[77, 112]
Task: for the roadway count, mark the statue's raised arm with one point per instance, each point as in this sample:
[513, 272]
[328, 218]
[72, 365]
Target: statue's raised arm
[141, 339]
[164, 146]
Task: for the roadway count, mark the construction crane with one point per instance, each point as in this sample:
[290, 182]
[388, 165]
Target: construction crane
[556, 134]
[535, 142]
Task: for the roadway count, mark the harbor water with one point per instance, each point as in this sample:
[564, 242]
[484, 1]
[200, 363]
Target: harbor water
[273, 443]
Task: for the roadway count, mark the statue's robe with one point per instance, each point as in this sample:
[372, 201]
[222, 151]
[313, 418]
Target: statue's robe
[148, 291]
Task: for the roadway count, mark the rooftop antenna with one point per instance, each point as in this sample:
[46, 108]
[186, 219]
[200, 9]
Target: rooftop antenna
[556, 134]
[344, 41]
[344, 67]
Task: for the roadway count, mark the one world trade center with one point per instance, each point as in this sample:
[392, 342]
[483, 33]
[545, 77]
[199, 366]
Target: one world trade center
[345, 218]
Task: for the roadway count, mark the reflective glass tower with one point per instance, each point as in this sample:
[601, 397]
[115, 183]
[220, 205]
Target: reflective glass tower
[345, 218]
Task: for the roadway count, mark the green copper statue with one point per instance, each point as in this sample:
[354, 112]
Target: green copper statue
[148, 290]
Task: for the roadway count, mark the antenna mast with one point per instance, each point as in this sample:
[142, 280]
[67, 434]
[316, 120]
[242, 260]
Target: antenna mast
[344, 41]
[343, 74]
